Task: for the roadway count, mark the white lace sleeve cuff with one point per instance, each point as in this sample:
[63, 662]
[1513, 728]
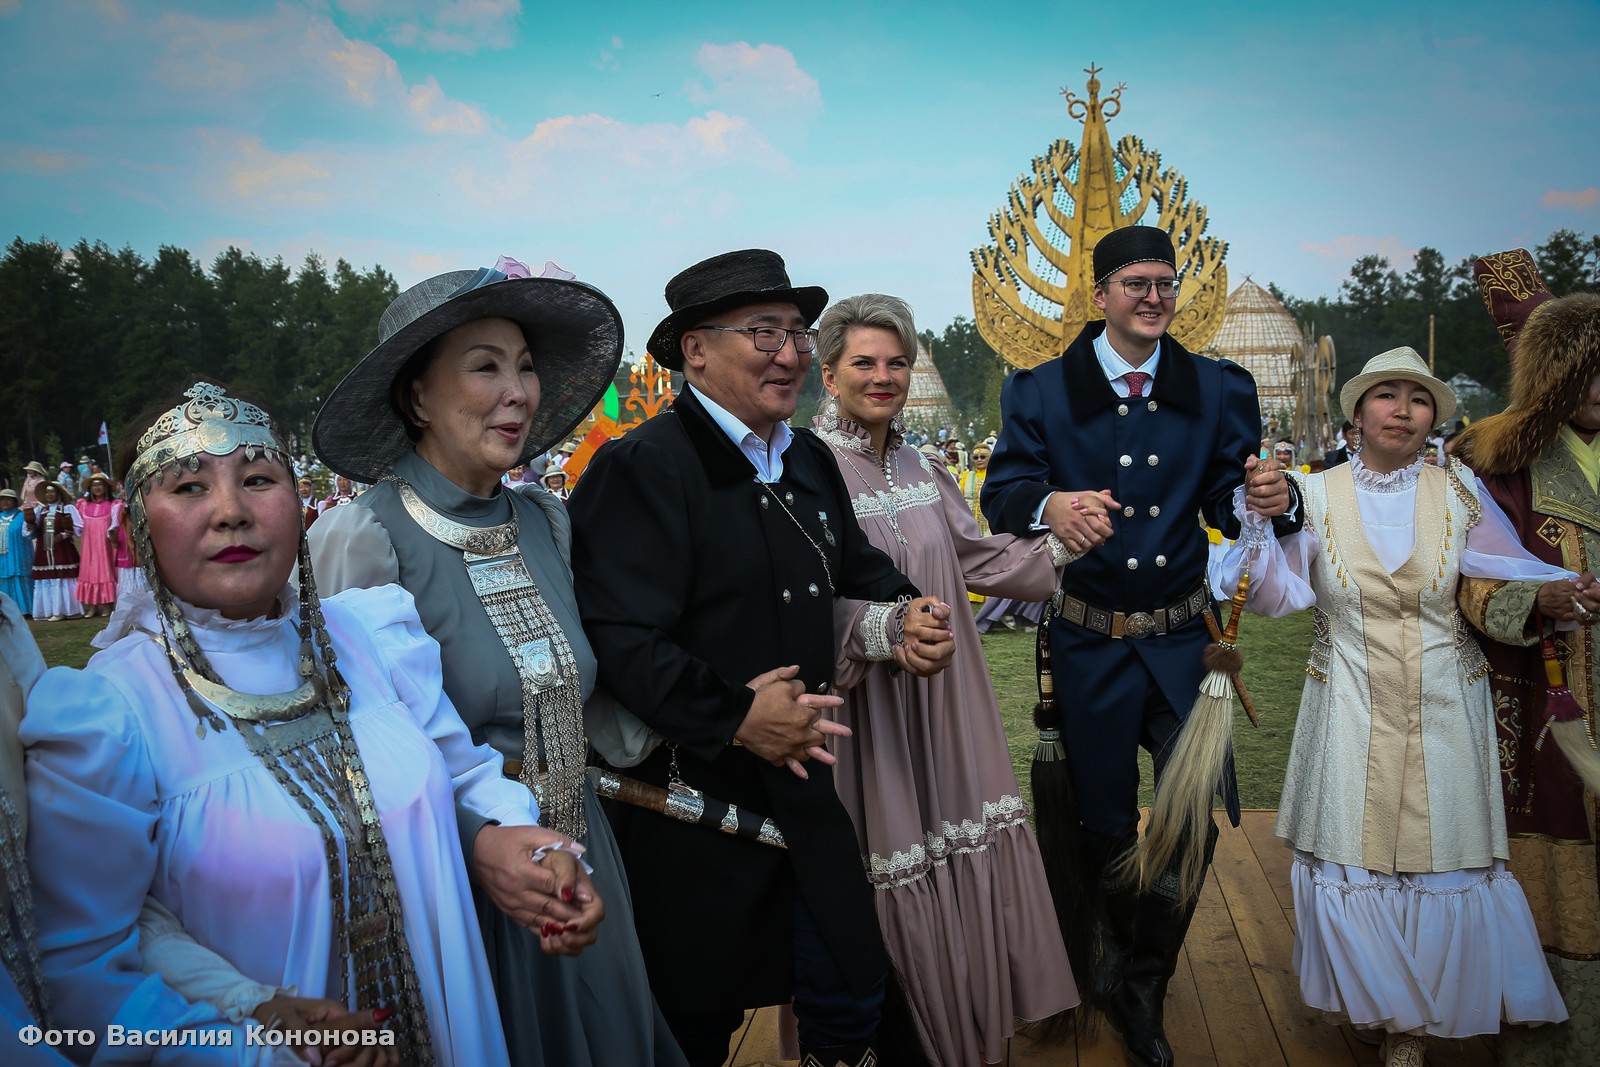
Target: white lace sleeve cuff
[1255, 529]
[1060, 554]
[882, 627]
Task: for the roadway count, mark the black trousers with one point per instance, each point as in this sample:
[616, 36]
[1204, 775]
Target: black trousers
[826, 1012]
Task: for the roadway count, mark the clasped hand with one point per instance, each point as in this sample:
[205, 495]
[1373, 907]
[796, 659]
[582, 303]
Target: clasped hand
[1571, 599]
[1081, 520]
[554, 897]
[928, 644]
[312, 1015]
[784, 725]
[1266, 487]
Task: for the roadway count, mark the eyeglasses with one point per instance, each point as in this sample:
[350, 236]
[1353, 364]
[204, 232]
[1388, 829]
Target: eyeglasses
[773, 338]
[1139, 288]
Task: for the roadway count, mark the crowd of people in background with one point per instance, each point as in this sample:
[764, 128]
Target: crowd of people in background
[375, 742]
[65, 541]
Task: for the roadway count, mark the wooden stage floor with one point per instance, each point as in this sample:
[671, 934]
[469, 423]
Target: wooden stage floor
[1234, 1000]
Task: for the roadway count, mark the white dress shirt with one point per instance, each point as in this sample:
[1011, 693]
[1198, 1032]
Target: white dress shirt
[767, 457]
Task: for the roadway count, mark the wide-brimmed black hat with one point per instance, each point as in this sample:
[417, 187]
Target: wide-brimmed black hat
[722, 283]
[573, 330]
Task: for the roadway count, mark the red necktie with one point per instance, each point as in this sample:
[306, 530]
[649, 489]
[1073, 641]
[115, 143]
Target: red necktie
[1136, 380]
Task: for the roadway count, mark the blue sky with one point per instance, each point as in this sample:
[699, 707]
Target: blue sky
[868, 143]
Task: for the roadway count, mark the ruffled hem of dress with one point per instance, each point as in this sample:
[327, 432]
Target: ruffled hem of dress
[977, 944]
[1452, 954]
[915, 861]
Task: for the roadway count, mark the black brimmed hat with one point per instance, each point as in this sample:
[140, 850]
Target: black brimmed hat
[722, 283]
[572, 329]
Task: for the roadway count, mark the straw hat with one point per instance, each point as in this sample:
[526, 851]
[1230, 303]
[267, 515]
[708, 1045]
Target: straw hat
[1398, 365]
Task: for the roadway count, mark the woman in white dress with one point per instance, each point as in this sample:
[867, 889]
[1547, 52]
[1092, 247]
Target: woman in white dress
[1407, 922]
[281, 774]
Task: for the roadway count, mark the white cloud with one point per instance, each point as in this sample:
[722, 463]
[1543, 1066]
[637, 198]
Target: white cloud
[762, 77]
[1577, 200]
[365, 69]
[218, 55]
[607, 59]
[23, 159]
[291, 53]
[439, 114]
[1346, 249]
[260, 177]
[435, 26]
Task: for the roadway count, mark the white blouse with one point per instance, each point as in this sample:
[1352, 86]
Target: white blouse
[126, 799]
[1280, 568]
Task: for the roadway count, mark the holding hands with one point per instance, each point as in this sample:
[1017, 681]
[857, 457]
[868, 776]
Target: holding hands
[551, 895]
[1080, 519]
[287, 1012]
[1266, 487]
[929, 644]
[1571, 600]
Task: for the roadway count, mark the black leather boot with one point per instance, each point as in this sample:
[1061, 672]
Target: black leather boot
[839, 1056]
[1137, 1006]
[1118, 909]
[1115, 910]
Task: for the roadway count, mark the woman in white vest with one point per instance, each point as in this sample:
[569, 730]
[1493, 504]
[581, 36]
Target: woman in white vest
[1407, 922]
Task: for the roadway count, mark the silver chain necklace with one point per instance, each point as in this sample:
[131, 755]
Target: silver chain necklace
[769, 488]
[890, 508]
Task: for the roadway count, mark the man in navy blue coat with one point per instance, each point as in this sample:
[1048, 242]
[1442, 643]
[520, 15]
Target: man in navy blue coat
[1119, 447]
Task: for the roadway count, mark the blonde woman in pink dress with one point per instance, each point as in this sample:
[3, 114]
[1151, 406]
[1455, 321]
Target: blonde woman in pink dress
[961, 892]
[97, 579]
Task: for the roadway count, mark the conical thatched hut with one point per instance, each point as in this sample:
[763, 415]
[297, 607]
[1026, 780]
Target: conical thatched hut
[1259, 334]
[928, 403]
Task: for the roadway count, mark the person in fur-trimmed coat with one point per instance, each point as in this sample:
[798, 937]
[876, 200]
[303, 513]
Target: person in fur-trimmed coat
[1540, 459]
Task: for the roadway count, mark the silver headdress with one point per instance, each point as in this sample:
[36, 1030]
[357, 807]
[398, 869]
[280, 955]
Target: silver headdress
[303, 736]
[211, 423]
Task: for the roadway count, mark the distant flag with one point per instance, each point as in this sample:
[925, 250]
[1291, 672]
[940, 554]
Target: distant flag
[105, 438]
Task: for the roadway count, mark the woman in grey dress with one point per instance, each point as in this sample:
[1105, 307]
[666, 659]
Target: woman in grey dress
[476, 372]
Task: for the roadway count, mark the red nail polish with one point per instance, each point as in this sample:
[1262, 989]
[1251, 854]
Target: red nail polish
[381, 1014]
[566, 894]
[571, 927]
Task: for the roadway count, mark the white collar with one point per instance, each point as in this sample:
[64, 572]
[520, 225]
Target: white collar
[738, 432]
[1114, 366]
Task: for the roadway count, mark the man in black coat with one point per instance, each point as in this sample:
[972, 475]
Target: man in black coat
[709, 546]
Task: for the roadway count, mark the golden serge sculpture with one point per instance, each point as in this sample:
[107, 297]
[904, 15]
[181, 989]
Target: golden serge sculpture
[1031, 287]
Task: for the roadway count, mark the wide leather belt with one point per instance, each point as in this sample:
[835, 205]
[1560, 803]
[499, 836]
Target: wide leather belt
[1134, 624]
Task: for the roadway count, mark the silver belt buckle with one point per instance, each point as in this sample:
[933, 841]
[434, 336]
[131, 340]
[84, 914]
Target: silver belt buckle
[1139, 624]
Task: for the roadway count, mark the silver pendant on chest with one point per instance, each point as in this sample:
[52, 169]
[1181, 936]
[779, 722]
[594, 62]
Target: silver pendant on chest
[537, 663]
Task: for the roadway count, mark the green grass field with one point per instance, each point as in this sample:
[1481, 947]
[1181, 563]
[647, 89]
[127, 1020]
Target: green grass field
[1274, 670]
